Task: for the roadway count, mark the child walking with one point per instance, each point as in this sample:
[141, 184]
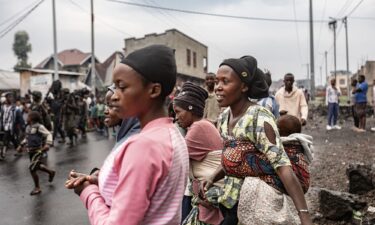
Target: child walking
[37, 140]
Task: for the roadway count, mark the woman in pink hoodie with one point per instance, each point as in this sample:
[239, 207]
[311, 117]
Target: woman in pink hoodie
[143, 179]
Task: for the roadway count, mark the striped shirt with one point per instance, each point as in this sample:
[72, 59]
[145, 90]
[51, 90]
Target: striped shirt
[143, 180]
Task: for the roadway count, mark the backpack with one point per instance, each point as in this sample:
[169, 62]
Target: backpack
[35, 140]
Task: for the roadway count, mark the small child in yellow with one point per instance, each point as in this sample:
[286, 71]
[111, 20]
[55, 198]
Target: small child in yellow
[38, 140]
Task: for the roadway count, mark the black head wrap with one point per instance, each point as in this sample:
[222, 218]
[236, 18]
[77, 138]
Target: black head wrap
[191, 98]
[157, 64]
[246, 68]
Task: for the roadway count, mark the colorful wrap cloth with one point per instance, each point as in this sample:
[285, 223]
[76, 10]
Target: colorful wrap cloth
[205, 208]
[242, 159]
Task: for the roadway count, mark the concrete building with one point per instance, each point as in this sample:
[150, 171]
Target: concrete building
[303, 83]
[191, 55]
[368, 69]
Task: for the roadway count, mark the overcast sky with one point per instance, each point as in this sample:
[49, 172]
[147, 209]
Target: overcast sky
[279, 47]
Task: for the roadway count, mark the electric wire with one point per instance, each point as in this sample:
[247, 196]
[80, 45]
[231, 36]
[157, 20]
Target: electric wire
[9, 28]
[297, 32]
[351, 12]
[344, 8]
[176, 20]
[321, 25]
[16, 14]
[215, 14]
[100, 19]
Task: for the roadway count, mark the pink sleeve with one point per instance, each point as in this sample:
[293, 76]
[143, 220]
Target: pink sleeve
[140, 166]
[202, 138]
[95, 204]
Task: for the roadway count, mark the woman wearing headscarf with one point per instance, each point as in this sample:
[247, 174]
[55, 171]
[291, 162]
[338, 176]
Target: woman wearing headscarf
[204, 146]
[258, 175]
[143, 180]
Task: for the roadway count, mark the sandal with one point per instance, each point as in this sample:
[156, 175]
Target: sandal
[51, 176]
[35, 192]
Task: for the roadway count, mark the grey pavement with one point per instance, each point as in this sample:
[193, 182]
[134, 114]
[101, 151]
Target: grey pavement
[55, 205]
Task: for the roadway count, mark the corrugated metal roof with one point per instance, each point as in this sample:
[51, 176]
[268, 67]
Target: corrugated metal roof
[9, 80]
[68, 57]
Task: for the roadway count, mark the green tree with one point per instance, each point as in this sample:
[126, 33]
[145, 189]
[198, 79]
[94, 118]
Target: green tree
[21, 48]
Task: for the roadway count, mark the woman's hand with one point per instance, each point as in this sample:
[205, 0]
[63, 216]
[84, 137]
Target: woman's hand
[75, 179]
[79, 188]
[305, 219]
[294, 189]
[45, 148]
[205, 184]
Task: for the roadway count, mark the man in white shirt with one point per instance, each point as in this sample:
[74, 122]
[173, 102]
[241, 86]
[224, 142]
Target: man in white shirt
[332, 100]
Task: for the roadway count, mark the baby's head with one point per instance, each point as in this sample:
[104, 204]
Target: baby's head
[288, 124]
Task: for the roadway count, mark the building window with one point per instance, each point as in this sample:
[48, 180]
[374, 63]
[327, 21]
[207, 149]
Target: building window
[205, 64]
[194, 59]
[188, 58]
[342, 81]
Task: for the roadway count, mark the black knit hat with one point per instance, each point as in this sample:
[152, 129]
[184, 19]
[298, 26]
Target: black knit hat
[191, 98]
[157, 64]
[246, 68]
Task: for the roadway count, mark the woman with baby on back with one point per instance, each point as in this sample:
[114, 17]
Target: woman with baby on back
[258, 173]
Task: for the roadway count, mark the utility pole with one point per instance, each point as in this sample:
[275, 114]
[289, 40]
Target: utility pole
[345, 21]
[56, 74]
[321, 76]
[333, 24]
[92, 49]
[312, 78]
[307, 74]
[325, 56]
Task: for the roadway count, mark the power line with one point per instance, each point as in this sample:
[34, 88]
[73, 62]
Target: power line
[359, 3]
[362, 18]
[344, 8]
[217, 15]
[99, 19]
[16, 14]
[19, 20]
[297, 31]
[216, 48]
[321, 25]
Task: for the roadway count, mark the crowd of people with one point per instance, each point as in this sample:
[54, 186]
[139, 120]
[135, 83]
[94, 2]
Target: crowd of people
[228, 153]
[34, 123]
[358, 101]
